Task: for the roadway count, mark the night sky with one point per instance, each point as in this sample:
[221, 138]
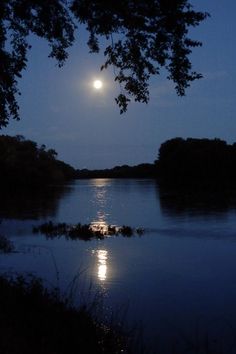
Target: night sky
[60, 108]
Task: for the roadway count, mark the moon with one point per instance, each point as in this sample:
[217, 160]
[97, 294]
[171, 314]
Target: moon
[97, 84]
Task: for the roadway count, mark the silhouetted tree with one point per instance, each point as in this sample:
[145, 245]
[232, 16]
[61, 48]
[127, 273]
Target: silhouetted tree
[143, 36]
[202, 160]
[23, 163]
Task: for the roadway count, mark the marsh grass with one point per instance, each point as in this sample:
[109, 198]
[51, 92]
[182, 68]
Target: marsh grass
[85, 231]
[36, 320]
[43, 319]
[114, 321]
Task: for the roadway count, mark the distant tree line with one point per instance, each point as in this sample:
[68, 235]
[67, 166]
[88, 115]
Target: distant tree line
[24, 163]
[145, 170]
[209, 161]
[181, 161]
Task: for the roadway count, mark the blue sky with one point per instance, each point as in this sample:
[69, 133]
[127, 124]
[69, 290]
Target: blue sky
[59, 107]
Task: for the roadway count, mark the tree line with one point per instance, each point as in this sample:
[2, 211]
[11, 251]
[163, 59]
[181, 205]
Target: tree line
[184, 161]
[181, 161]
[144, 170]
[24, 163]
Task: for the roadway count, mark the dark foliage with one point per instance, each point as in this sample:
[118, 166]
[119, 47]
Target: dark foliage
[145, 170]
[6, 246]
[23, 163]
[85, 231]
[35, 320]
[18, 19]
[143, 37]
[202, 161]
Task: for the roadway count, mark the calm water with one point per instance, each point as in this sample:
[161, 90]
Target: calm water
[178, 279]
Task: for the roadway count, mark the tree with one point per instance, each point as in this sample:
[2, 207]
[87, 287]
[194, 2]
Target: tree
[143, 37]
[185, 161]
[23, 163]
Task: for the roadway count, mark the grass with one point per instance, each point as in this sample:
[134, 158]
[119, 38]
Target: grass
[85, 231]
[36, 320]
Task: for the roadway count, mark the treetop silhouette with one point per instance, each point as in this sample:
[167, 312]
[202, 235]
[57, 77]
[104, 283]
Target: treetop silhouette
[142, 37]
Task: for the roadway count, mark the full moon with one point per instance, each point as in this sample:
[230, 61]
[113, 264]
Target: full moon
[97, 84]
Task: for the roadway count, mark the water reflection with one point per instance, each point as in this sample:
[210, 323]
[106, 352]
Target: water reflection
[101, 199]
[190, 201]
[100, 182]
[102, 264]
[100, 187]
[102, 267]
[99, 228]
[34, 204]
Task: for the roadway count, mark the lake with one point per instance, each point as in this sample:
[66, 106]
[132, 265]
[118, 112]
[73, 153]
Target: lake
[177, 281]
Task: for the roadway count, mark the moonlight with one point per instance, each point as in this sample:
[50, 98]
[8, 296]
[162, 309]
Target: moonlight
[97, 84]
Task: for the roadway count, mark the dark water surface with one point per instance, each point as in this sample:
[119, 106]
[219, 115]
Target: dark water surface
[178, 279]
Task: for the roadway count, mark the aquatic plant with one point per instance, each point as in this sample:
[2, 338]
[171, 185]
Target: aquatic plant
[85, 231]
[6, 246]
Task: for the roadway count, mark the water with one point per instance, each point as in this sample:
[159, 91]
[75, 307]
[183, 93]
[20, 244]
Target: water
[178, 279]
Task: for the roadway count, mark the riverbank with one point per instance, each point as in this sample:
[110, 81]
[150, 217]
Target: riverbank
[36, 320]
